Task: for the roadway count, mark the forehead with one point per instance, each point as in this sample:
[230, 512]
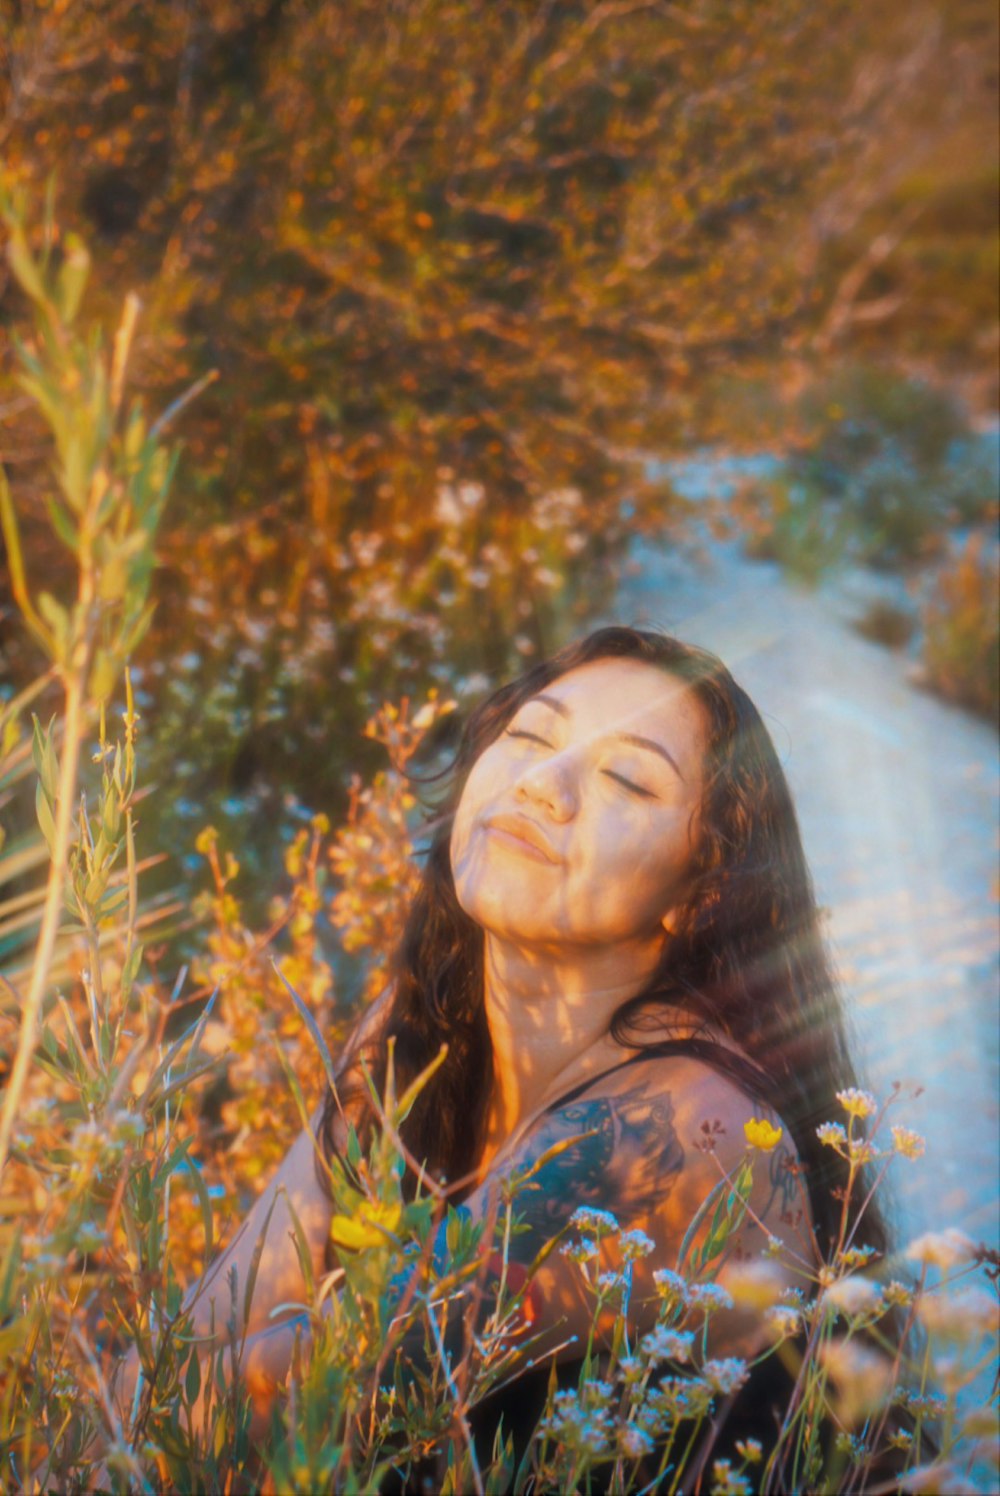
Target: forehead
[628, 696]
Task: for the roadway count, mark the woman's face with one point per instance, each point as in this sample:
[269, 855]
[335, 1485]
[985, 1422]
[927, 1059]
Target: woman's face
[578, 825]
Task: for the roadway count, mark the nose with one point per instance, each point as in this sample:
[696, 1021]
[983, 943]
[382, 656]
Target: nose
[549, 785]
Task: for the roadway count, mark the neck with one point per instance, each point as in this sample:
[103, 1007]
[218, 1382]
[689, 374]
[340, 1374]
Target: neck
[547, 1013]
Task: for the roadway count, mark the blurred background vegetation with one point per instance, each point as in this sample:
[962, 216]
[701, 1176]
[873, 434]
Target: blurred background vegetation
[460, 269]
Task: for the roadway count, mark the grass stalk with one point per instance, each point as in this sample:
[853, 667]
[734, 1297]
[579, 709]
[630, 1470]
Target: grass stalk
[52, 910]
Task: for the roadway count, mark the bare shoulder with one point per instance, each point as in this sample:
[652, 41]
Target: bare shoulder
[648, 1143]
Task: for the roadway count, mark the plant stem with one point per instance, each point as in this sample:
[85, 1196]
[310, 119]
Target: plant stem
[53, 904]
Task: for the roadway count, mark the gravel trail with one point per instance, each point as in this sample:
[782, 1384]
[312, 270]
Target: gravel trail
[897, 795]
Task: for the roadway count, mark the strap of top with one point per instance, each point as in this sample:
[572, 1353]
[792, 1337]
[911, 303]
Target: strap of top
[744, 1072]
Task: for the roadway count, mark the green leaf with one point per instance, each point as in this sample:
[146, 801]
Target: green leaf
[104, 674]
[44, 813]
[22, 262]
[44, 755]
[8, 1273]
[72, 279]
[258, 1252]
[192, 1379]
[75, 475]
[302, 1249]
[131, 970]
[62, 524]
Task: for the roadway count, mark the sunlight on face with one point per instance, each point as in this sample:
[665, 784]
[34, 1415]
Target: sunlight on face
[577, 826]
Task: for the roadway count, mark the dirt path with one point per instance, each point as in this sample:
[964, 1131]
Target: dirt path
[897, 798]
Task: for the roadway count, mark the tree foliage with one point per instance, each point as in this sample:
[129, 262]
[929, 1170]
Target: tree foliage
[456, 263]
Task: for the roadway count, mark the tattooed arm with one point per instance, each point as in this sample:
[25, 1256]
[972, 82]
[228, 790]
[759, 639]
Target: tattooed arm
[651, 1142]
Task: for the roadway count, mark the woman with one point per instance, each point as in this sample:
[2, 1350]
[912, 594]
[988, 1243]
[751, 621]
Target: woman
[617, 940]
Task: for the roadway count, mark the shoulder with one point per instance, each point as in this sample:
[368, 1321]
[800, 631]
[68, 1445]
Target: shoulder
[649, 1142]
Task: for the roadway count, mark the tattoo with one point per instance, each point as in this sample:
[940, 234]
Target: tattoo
[627, 1165]
[782, 1177]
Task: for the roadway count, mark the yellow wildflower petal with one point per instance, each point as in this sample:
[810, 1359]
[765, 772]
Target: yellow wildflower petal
[761, 1135]
[367, 1229]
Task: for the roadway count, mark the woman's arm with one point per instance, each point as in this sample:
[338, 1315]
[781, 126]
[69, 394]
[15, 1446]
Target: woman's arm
[646, 1159]
[296, 1187]
[279, 1280]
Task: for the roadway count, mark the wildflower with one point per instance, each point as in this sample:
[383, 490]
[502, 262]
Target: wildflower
[728, 1482]
[677, 1398]
[371, 1227]
[856, 1256]
[755, 1284]
[662, 1344]
[846, 1443]
[652, 1420]
[924, 1404]
[582, 1429]
[609, 1283]
[708, 1297]
[634, 1442]
[783, 1320]
[726, 1375]
[635, 1244]
[898, 1294]
[750, 1450]
[589, 1218]
[595, 1393]
[631, 1370]
[671, 1287]
[942, 1249]
[857, 1103]
[832, 1134]
[907, 1142]
[966, 1315]
[582, 1251]
[760, 1134]
[862, 1378]
[861, 1152]
[901, 1439]
[855, 1296]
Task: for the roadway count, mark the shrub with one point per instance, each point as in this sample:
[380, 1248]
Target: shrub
[886, 467]
[961, 651]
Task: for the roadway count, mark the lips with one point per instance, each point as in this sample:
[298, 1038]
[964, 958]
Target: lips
[524, 830]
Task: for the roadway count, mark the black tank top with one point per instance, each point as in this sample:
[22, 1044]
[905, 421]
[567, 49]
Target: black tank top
[520, 1405]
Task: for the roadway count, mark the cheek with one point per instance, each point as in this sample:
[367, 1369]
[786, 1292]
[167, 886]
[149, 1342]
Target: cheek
[480, 788]
[646, 865]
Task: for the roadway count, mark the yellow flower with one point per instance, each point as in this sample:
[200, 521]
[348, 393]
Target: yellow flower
[368, 1228]
[761, 1135]
[907, 1142]
[857, 1102]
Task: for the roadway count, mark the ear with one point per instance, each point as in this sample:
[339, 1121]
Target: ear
[671, 920]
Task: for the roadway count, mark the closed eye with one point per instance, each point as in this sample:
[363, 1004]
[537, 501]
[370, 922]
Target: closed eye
[635, 789]
[519, 732]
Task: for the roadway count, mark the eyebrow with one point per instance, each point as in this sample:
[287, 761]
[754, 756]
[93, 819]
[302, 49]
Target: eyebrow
[623, 737]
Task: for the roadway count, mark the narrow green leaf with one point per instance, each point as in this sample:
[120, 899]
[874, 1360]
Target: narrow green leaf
[293, 1082]
[258, 1252]
[22, 262]
[192, 1378]
[62, 524]
[72, 278]
[44, 813]
[302, 1249]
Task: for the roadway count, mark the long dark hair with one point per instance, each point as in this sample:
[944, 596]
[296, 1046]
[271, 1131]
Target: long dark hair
[748, 956]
